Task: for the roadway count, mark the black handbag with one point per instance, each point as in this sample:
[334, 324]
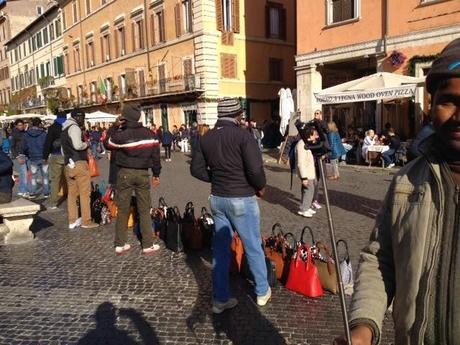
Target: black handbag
[193, 237]
[174, 230]
[271, 271]
[207, 226]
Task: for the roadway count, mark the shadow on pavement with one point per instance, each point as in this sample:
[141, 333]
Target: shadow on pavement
[107, 333]
[277, 196]
[243, 325]
[39, 224]
[354, 203]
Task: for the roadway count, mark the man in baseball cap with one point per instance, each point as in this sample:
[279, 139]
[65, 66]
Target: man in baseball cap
[413, 259]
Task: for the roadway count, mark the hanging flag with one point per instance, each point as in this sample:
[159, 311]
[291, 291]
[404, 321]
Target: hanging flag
[102, 90]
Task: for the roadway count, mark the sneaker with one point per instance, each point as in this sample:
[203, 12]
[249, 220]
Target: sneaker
[90, 225]
[53, 207]
[391, 165]
[77, 224]
[312, 211]
[123, 249]
[220, 307]
[151, 250]
[305, 214]
[316, 205]
[263, 300]
[46, 196]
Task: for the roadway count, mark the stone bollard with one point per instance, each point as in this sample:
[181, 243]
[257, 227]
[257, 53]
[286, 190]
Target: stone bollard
[18, 216]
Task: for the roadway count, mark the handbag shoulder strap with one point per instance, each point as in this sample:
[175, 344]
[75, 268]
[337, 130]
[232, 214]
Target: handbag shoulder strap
[347, 257]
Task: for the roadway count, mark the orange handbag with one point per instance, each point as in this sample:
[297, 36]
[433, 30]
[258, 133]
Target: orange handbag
[92, 166]
[237, 251]
[274, 249]
[112, 208]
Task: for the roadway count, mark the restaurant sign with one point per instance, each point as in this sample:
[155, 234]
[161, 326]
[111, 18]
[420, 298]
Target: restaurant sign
[367, 95]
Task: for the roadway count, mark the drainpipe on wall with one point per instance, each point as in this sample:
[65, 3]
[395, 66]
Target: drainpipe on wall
[385, 26]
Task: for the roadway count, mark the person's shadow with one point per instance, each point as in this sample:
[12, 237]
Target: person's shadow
[107, 333]
[245, 324]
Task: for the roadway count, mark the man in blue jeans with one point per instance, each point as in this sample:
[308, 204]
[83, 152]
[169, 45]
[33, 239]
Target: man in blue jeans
[17, 154]
[229, 158]
[394, 143]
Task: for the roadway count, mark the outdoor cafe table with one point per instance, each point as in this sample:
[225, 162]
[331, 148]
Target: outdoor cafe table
[374, 152]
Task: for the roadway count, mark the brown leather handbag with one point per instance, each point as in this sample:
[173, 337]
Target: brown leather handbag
[274, 248]
[192, 231]
[326, 269]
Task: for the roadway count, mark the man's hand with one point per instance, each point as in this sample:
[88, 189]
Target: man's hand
[360, 335]
[155, 181]
[305, 183]
[261, 193]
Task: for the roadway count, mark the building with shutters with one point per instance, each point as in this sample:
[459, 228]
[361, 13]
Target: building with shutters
[14, 16]
[348, 39]
[37, 63]
[177, 58]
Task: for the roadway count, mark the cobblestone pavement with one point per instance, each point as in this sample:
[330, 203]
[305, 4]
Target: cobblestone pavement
[68, 287]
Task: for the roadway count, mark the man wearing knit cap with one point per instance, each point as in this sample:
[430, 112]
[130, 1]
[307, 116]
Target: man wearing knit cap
[228, 157]
[413, 259]
[137, 152]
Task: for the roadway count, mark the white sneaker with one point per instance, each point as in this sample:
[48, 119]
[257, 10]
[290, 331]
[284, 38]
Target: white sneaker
[305, 214]
[312, 211]
[219, 307]
[151, 250]
[316, 205]
[77, 224]
[391, 165]
[263, 300]
[123, 249]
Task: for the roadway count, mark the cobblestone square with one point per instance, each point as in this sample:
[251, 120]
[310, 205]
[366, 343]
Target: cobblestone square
[68, 287]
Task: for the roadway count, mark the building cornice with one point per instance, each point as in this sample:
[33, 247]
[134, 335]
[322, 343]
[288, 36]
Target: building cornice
[376, 47]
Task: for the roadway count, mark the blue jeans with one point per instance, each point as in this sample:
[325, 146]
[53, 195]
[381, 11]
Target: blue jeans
[22, 171]
[35, 168]
[242, 214]
[388, 156]
[94, 146]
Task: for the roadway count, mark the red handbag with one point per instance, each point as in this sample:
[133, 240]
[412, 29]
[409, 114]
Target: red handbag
[303, 275]
[108, 195]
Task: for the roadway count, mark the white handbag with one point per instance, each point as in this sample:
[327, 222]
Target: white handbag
[346, 270]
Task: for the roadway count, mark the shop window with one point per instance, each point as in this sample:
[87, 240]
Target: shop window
[275, 69]
[228, 66]
[228, 15]
[342, 10]
[275, 21]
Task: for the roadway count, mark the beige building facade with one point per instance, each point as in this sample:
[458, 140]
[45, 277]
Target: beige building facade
[177, 58]
[14, 16]
[37, 63]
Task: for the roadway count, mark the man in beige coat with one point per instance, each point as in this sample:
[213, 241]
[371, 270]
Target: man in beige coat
[413, 259]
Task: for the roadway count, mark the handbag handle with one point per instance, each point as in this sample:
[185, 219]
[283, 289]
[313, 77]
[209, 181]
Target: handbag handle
[162, 202]
[311, 233]
[347, 257]
[189, 206]
[204, 211]
[290, 234]
[278, 227]
[322, 246]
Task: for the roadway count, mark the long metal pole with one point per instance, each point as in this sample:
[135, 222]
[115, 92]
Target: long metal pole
[335, 253]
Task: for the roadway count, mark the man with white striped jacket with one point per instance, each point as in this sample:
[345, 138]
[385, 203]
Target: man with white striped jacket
[137, 151]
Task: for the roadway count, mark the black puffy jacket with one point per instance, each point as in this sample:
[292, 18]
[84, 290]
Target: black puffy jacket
[137, 148]
[229, 158]
[53, 140]
[6, 173]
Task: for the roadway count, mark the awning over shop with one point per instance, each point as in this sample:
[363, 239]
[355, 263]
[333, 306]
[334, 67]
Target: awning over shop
[378, 86]
[100, 116]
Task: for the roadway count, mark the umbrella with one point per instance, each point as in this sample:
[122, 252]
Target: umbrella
[100, 116]
[382, 85]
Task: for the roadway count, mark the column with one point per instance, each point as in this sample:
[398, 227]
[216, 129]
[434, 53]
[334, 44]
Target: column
[309, 81]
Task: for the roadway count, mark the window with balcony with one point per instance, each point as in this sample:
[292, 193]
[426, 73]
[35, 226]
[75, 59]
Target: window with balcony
[137, 28]
[228, 15]
[90, 54]
[275, 21]
[342, 10]
[75, 11]
[275, 71]
[105, 47]
[120, 41]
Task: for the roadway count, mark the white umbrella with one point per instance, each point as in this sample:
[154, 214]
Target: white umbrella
[382, 85]
[99, 116]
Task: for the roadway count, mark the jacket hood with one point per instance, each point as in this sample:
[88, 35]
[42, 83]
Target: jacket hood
[70, 121]
[35, 132]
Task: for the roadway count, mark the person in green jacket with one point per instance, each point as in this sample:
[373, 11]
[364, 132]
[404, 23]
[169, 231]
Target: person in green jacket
[413, 259]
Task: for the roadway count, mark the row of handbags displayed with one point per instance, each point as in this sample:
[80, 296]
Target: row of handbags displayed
[180, 232]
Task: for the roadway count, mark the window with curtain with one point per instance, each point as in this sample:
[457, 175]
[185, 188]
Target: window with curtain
[275, 20]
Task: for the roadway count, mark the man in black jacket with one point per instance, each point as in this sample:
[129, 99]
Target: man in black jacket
[229, 158]
[53, 154]
[137, 151]
[6, 179]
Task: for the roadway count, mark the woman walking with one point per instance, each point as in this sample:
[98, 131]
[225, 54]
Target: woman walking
[337, 149]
